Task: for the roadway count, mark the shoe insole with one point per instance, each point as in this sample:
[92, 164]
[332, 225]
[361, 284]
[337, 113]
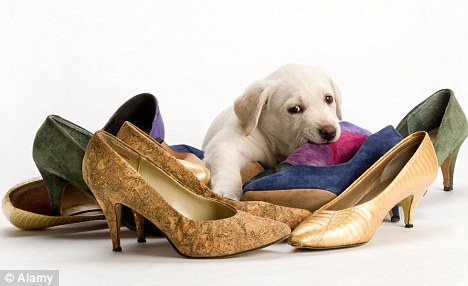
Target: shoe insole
[374, 184]
[186, 156]
[33, 197]
[77, 202]
[180, 198]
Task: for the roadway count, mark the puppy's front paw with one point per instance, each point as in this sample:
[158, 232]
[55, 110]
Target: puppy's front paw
[233, 193]
[235, 197]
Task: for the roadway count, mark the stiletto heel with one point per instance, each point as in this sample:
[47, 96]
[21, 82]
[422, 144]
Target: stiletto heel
[406, 205]
[113, 215]
[140, 227]
[409, 206]
[448, 168]
[54, 186]
[195, 226]
[395, 214]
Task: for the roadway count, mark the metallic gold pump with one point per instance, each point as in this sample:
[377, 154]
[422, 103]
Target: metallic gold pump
[27, 206]
[194, 225]
[403, 175]
[191, 162]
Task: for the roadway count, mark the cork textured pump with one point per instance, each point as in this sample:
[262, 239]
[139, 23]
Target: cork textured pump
[144, 144]
[195, 226]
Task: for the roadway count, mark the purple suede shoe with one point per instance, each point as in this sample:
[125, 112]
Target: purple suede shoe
[143, 111]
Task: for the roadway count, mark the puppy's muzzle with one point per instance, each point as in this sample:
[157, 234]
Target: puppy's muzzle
[328, 132]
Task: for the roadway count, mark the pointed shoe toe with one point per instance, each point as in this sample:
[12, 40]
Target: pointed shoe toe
[311, 231]
[195, 226]
[402, 176]
[292, 217]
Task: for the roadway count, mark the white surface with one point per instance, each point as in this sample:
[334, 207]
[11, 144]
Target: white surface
[83, 59]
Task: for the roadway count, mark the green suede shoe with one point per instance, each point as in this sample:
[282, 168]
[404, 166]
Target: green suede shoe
[442, 116]
[58, 151]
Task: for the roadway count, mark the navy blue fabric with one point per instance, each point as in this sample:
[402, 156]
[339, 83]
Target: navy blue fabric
[278, 168]
[188, 149]
[334, 178]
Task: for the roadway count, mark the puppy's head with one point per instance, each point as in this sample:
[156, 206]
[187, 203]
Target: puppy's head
[294, 105]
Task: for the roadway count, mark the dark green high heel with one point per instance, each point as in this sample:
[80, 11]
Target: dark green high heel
[58, 151]
[442, 116]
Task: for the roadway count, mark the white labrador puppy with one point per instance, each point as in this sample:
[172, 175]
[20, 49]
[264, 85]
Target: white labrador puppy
[293, 105]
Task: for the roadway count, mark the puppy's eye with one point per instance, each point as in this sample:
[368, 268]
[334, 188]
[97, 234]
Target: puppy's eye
[295, 109]
[328, 99]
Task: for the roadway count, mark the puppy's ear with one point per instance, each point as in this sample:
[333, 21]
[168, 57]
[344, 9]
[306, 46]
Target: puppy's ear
[248, 106]
[337, 93]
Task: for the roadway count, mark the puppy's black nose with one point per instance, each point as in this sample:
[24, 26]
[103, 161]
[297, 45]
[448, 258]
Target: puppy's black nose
[328, 132]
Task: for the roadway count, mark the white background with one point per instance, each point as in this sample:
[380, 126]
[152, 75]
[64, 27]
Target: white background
[82, 59]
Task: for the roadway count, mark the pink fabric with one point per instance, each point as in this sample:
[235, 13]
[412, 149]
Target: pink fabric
[341, 151]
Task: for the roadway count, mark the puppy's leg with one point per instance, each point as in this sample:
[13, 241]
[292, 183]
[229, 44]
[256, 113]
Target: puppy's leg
[225, 169]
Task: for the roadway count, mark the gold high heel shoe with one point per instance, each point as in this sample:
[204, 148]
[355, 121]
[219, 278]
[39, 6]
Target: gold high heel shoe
[190, 161]
[27, 206]
[195, 226]
[402, 175]
[150, 148]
